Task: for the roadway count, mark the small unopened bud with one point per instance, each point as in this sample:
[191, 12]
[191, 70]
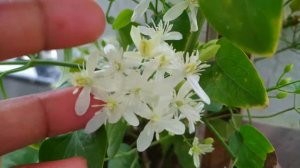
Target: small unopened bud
[209, 140]
[285, 81]
[288, 68]
[281, 95]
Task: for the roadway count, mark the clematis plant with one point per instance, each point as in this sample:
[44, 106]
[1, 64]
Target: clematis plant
[174, 73]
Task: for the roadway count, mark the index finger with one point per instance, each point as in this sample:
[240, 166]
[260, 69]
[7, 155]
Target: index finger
[29, 26]
[26, 120]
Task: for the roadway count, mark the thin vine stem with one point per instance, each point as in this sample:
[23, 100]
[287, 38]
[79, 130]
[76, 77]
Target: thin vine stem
[281, 86]
[220, 138]
[108, 9]
[194, 36]
[275, 114]
[42, 62]
[249, 117]
[3, 91]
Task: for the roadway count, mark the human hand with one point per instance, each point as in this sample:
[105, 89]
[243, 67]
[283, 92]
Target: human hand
[29, 26]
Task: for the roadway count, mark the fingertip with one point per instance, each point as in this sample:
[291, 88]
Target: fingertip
[75, 162]
[60, 108]
[71, 23]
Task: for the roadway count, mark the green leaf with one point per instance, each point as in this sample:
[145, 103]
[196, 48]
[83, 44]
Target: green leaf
[182, 25]
[208, 52]
[123, 19]
[125, 158]
[213, 107]
[123, 36]
[233, 80]
[225, 128]
[115, 134]
[92, 147]
[20, 157]
[181, 150]
[254, 25]
[250, 147]
[295, 5]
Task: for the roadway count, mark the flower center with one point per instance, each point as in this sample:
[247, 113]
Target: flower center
[190, 68]
[155, 118]
[118, 66]
[163, 61]
[82, 81]
[179, 103]
[196, 150]
[146, 48]
[193, 2]
[111, 105]
[136, 91]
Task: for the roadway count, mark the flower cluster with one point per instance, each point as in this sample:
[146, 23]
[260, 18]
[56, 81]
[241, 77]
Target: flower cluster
[179, 7]
[151, 81]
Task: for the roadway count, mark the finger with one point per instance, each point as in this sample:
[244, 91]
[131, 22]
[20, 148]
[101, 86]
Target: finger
[29, 26]
[76, 162]
[26, 120]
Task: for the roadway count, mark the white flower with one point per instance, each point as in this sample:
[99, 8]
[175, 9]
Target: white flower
[112, 110]
[85, 79]
[189, 108]
[147, 48]
[200, 149]
[140, 9]
[162, 31]
[160, 119]
[190, 68]
[114, 70]
[179, 7]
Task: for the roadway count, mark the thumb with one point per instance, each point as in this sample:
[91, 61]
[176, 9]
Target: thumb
[75, 162]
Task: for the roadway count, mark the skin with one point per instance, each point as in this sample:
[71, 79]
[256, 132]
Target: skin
[29, 26]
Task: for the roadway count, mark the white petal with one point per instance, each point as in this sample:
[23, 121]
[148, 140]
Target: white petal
[145, 138]
[191, 127]
[196, 161]
[199, 91]
[147, 31]
[173, 126]
[83, 101]
[114, 117]
[96, 122]
[175, 11]
[135, 36]
[131, 118]
[173, 36]
[91, 62]
[193, 19]
[184, 90]
[140, 9]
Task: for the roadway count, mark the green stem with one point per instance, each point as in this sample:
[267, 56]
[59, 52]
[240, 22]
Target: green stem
[3, 91]
[249, 116]
[220, 138]
[194, 36]
[108, 10]
[281, 86]
[160, 140]
[275, 114]
[41, 62]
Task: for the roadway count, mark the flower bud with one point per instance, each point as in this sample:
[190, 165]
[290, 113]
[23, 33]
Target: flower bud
[288, 68]
[209, 140]
[281, 95]
[284, 81]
